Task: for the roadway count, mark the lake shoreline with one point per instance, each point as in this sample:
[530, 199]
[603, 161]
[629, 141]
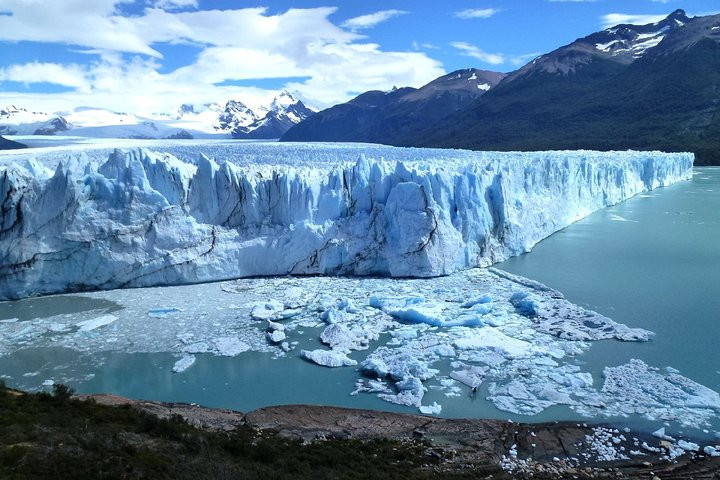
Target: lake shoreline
[489, 446]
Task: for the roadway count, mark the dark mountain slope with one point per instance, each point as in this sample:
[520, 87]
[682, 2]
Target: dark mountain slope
[666, 99]
[385, 116]
[6, 144]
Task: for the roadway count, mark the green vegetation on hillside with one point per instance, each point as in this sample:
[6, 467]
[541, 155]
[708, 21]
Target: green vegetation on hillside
[59, 437]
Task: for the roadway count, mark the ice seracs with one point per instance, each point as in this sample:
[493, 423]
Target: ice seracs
[143, 218]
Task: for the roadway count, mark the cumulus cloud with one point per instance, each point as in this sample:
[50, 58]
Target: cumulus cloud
[65, 75]
[370, 20]
[476, 13]
[125, 67]
[475, 52]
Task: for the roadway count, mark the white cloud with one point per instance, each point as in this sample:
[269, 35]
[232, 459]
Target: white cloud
[65, 75]
[476, 13]
[235, 45]
[474, 52]
[613, 19]
[519, 60]
[73, 22]
[370, 20]
[174, 4]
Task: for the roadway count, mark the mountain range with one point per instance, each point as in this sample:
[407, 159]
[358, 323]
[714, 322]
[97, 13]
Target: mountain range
[234, 119]
[384, 117]
[654, 86]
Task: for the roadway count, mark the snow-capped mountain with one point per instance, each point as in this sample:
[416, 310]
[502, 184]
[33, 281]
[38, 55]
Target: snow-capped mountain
[239, 120]
[234, 119]
[285, 112]
[643, 87]
[234, 115]
[622, 44]
[19, 121]
[381, 117]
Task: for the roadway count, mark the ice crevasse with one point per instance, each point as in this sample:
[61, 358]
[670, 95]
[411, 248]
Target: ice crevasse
[143, 218]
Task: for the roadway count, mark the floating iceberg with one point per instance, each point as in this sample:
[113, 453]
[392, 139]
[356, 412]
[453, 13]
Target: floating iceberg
[92, 324]
[141, 218]
[185, 362]
[328, 358]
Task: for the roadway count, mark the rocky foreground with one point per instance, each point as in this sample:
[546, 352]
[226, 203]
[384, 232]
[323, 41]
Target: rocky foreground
[452, 447]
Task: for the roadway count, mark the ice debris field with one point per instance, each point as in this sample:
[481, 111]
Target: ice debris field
[132, 218]
[518, 343]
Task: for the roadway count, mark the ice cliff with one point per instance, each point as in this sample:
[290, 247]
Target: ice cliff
[143, 218]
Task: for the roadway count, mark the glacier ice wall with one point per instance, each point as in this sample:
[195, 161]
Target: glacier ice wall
[143, 218]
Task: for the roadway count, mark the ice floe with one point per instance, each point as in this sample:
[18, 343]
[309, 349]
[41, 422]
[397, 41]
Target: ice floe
[92, 324]
[185, 362]
[328, 358]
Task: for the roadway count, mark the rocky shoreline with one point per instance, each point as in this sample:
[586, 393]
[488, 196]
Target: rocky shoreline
[500, 449]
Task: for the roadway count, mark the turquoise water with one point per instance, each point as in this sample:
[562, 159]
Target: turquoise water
[651, 262]
[658, 268]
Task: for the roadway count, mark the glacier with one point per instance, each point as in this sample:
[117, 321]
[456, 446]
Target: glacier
[142, 218]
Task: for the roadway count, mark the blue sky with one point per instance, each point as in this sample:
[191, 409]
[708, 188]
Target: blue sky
[152, 55]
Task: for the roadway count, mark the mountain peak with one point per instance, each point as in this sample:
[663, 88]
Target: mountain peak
[678, 14]
[282, 100]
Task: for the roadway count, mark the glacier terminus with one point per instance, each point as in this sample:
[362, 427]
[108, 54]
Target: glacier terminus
[139, 218]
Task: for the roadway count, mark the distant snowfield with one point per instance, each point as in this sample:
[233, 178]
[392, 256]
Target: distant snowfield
[89, 216]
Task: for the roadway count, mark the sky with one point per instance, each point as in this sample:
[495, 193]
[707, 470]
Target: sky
[151, 56]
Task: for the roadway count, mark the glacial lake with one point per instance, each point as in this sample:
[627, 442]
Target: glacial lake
[651, 262]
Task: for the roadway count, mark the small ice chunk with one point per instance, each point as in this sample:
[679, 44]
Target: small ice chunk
[433, 409]
[525, 304]
[184, 363]
[660, 433]
[337, 335]
[492, 338]
[48, 383]
[471, 375]
[162, 312]
[267, 310]
[688, 446]
[712, 451]
[9, 320]
[375, 366]
[276, 336]
[279, 327]
[328, 358]
[230, 346]
[479, 300]
[419, 310]
[197, 347]
[92, 324]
